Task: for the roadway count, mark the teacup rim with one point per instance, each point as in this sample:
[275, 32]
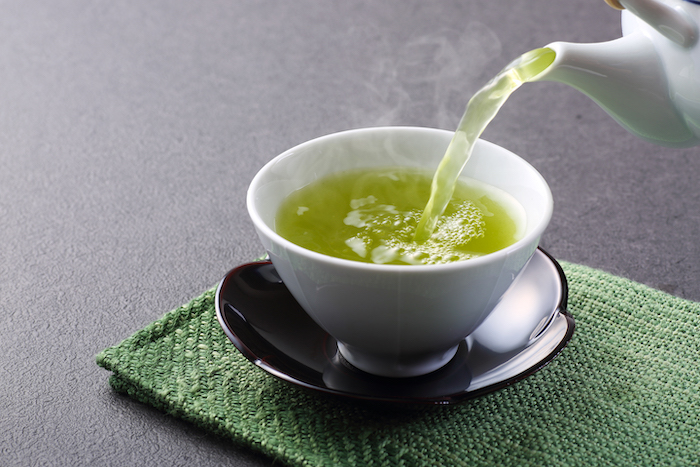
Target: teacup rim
[261, 225]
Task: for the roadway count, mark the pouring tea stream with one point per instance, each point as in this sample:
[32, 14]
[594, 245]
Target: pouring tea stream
[648, 81]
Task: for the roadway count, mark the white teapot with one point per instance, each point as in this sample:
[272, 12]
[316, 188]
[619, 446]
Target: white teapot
[649, 79]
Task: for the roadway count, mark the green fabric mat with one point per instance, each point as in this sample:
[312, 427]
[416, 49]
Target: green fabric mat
[626, 391]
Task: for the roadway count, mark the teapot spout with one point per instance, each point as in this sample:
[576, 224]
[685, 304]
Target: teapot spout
[627, 79]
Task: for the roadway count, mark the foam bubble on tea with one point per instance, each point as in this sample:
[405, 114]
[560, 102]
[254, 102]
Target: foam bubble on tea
[371, 216]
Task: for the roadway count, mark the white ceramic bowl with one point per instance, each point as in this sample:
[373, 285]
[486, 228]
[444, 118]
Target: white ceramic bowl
[394, 320]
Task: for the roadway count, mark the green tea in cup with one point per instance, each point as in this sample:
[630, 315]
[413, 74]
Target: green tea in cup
[371, 215]
[393, 320]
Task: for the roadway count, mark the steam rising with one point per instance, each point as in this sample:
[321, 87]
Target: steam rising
[429, 79]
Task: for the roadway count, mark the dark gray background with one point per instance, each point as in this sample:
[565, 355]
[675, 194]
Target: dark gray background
[130, 129]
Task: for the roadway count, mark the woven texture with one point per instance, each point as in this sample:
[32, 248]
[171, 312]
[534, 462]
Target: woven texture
[626, 391]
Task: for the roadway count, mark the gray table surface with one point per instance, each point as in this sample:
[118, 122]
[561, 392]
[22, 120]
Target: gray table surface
[129, 131]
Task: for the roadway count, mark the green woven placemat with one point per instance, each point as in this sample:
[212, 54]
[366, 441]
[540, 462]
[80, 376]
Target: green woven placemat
[626, 391]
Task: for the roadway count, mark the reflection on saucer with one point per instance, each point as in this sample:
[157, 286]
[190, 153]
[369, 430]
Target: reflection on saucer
[451, 378]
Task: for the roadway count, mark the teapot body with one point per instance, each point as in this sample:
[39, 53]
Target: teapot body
[680, 63]
[648, 80]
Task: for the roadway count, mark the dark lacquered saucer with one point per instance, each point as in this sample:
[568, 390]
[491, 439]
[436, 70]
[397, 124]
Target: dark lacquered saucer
[529, 327]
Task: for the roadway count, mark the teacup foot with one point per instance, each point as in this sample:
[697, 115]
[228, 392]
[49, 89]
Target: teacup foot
[393, 366]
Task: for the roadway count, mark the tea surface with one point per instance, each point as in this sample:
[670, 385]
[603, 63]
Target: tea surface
[371, 216]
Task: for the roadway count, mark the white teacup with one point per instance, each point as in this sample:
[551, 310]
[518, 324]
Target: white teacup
[392, 320]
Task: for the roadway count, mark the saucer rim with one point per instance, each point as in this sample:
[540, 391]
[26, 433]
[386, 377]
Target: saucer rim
[558, 312]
